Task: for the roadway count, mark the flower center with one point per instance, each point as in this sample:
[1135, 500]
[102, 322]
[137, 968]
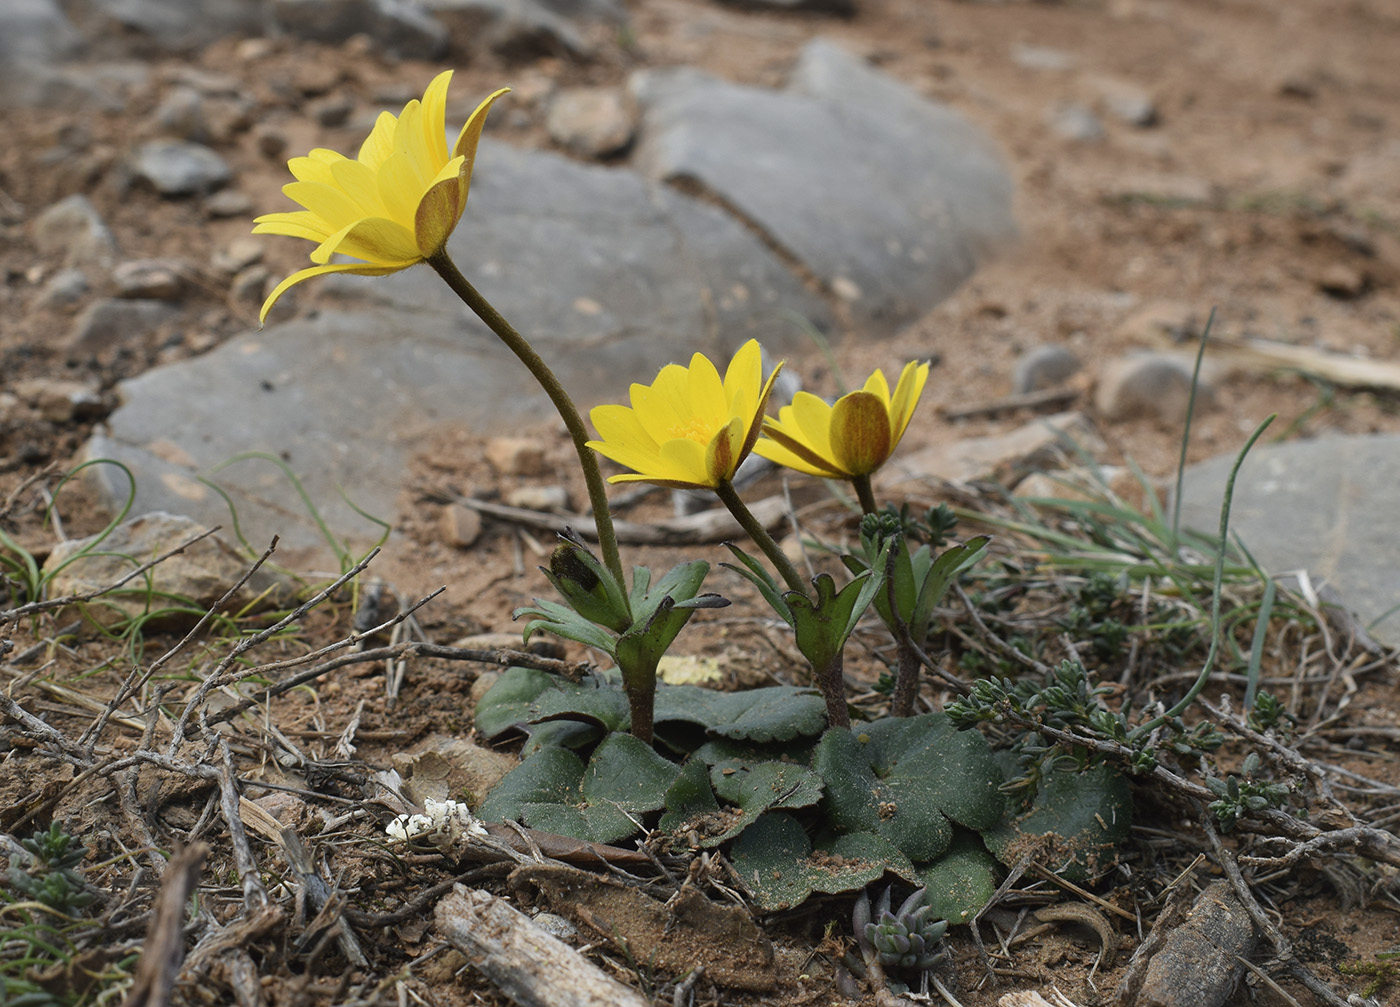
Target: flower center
[697, 429]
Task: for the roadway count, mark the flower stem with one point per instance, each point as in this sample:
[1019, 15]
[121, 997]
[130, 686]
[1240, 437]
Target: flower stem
[864, 494]
[730, 498]
[593, 476]
[831, 680]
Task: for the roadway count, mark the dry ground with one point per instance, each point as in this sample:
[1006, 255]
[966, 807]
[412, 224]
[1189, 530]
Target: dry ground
[1269, 190]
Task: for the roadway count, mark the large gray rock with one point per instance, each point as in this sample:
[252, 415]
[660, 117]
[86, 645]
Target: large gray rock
[34, 32]
[609, 276]
[888, 199]
[1326, 506]
[174, 25]
[399, 26]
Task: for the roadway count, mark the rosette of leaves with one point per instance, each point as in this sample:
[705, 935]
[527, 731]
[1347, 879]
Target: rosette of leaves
[906, 938]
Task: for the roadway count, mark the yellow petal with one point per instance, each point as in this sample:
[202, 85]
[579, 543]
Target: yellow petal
[328, 202]
[754, 420]
[684, 459]
[809, 419]
[374, 239]
[906, 397]
[791, 454]
[705, 391]
[620, 424]
[470, 136]
[725, 451]
[877, 385]
[307, 274]
[745, 371]
[435, 115]
[380, 142]
[860, 432]
[297, 224]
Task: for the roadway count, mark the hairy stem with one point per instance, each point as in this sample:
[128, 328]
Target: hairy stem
[730, 498]
[865, 494]
[593, 476]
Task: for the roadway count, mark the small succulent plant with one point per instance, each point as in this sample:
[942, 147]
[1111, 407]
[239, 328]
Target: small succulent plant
[905, 939]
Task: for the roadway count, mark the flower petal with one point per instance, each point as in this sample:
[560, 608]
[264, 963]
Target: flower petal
[778, 447]
[860, 432]
[906, 397]
[374, 239]
[470, 136]
[725, 451]
[684, 459]
[340, 267]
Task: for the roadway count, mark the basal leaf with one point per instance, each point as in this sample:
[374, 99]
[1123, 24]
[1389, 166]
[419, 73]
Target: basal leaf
[961, 881]
[1076, 821]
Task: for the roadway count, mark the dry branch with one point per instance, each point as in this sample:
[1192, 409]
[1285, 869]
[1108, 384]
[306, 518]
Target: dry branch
[530, 966]
[165, 941]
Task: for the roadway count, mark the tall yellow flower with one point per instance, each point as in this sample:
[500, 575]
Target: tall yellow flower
[394, 205]
[688, 429]
[847, 440]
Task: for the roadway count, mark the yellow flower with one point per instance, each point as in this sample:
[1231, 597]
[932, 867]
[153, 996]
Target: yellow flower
[393, 206]
[688, 429]
[852, 438]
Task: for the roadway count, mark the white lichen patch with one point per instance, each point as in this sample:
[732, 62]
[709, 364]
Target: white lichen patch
[444, 824]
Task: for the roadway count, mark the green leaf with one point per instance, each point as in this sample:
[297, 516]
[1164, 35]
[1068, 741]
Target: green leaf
[773, 713]
[553, 791]
[776, 862]
[940, 576]
[909, 779]
[823, 622]
[961, 881]
[755, 574]
[688, 797]
[606, 706]
[1078, 818]
[756, 788]
[507, 703]
[572, 734]
[564, 621]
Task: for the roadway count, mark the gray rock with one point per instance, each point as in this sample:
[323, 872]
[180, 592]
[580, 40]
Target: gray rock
[157, 279]
[1073, 121]
[461, 525]
[1149, 385]
[73, 228]
[843, 8]
[1326, 506]
[85, 87]
[64, 289]
[626, 261]
[1043, 367]
[1125, 101]
[34, 32]
[587, 10]
[60, 401]
[397, 26]
[111, 323]
[591, 121]
[175, 25]
[229, 203]
[181, 115]
[638, 276]
[1039, 57]
[553, 499]
[199, 575]
[179, 168]
[823, 170]
[515, 30]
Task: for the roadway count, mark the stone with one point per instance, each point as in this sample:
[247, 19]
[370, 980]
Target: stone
[157, 279]
[839, 139]
[461, 525]
[1154, 386]
[842, 8]
[592, 122]
[61, 401]
[1041, 367]
[248, 288]
[195, 578]
[397, 26]
[556, 926]
[178, 25]
[1342, 281]
[333, 111]
[239, 254]
[1004, 458]
[1155, 321]
[1125, 101]
[34, 32]
[229, 203]
[179, 168]
[74, 229]
[1084, 485]
[515, 456]
[85, 87]
[64, 289]
[518, 31]
[110, 323]
[1325, 505]
[550, 499]
[1201, 962]
[1040, 57]
[181, 115]
[1073, 121]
